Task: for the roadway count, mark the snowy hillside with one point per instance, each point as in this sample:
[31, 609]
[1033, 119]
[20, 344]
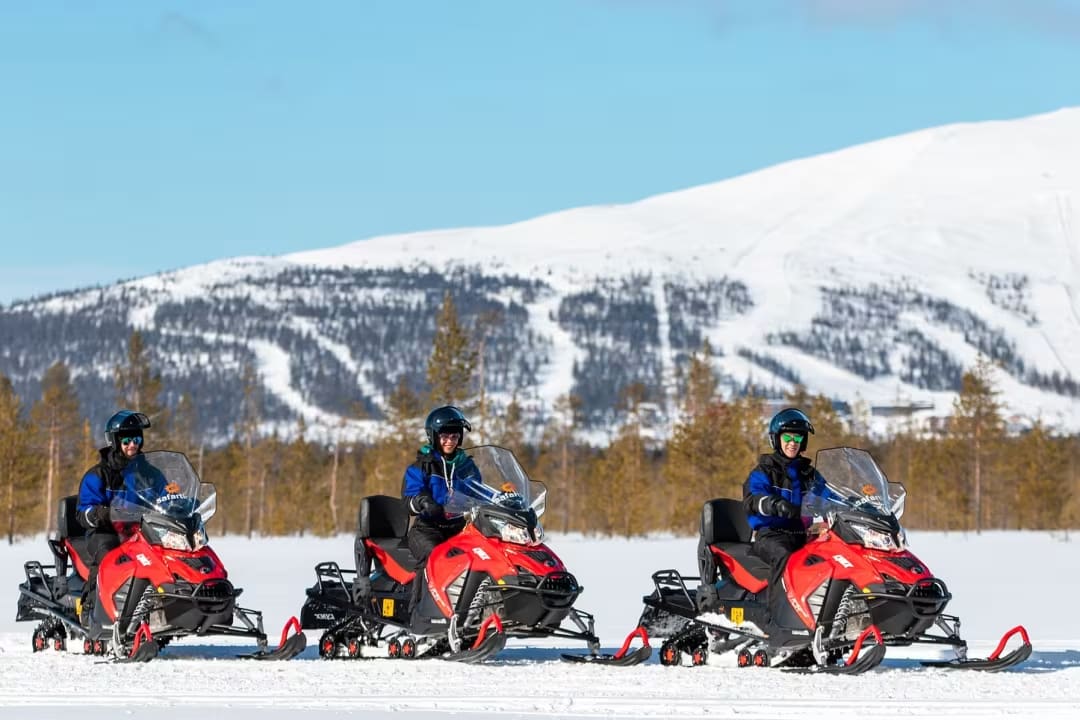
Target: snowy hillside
[875, 274]
[200, 677]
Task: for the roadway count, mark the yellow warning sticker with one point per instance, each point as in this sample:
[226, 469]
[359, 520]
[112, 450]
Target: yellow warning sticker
[737, 616]
[388, 607]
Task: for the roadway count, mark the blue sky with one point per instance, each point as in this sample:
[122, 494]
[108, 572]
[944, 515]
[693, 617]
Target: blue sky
[144, 136]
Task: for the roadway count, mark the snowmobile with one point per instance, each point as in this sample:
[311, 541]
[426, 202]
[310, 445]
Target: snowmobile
[495, 579]
[851, 591]
[162, 582]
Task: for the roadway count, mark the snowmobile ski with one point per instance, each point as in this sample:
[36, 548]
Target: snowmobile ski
[624, 657]
[486, 643]
[996, 661]
[289, 647]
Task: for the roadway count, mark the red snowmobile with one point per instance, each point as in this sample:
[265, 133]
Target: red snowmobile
[496, 579]
[162, 582]
[850, 592]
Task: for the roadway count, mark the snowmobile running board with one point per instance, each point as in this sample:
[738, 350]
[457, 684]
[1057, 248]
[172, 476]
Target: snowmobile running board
[996, 661]
[289, 647]
[623, 657]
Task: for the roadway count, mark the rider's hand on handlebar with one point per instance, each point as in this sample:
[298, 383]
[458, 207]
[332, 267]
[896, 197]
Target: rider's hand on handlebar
[426, 507]
[783, 508]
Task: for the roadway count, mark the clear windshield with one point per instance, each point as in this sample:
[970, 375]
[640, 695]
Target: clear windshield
[163, 483]
[496, 479]
[853, 481]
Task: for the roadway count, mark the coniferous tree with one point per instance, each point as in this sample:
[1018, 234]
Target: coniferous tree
[14, 457]
[558, 464]
[138, 387]
[386, 460]
[510, 428]
[978, 428]
[248, 426]
[56, 421]
[453, 359]
[620, 493]
[693, 450]
[1037, 467]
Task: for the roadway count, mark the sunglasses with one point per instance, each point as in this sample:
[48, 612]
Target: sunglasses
[791, 437]
[127, 441]
[453, 434]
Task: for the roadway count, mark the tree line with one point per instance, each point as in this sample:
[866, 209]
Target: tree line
[968, 474]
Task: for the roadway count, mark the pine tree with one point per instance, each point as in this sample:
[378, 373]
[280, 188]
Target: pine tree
[247, 429]
[453, 359]
[138, 387]
[700, 382]
[978, 427]
[510, 428]
[558, 464]
[56, 421]
[14, 457]
[1038, 465]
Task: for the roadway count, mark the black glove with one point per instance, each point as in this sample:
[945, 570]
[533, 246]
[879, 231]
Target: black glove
[97, 516]
[780, 507]
[425, 506]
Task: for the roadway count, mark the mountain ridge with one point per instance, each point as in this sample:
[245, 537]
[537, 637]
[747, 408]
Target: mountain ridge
[876, 273]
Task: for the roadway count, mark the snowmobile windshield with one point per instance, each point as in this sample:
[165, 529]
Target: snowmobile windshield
[163, 483]
[495, 477]
[852, 482]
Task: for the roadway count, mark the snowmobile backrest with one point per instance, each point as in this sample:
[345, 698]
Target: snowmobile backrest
[383, 516]
[724, 520]
[67, 523]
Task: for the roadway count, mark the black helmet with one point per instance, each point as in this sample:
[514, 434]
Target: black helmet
[445, 419]
[126, 423]
[789, 420]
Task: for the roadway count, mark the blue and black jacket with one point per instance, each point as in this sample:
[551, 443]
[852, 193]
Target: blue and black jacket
[437, 476]
[776, 475]
[99, 486]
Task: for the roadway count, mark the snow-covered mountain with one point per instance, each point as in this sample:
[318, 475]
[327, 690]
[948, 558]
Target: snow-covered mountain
[876, 274]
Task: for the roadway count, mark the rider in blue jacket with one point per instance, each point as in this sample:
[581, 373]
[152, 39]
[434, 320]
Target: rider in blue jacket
[102, 483]
[773, 492]
[441, 469]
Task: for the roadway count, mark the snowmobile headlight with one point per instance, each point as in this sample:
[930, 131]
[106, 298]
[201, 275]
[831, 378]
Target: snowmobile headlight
[176, 540]
[875, 539]
[173, 540]
[511, 532]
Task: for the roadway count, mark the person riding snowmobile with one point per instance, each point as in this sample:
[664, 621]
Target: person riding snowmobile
[441, 469]
[774, 490]
[101, 483]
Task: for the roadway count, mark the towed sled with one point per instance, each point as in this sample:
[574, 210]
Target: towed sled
[852, 591]
[163, 581]
[494, 580]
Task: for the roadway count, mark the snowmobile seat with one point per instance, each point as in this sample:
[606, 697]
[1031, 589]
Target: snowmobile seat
[724, 526]
[68, 529]
[724, 521]
[384, 521]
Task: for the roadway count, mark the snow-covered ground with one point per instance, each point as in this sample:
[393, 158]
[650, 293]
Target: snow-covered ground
[998, 580]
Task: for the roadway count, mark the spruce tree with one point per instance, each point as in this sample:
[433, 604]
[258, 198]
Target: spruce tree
[138, 387]
[14, 458]
[56, 422]
[978, 429]
[453, 359]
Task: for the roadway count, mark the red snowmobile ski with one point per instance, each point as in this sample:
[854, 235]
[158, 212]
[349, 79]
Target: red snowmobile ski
[162, 582]
[496, 579]
[851, 591]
